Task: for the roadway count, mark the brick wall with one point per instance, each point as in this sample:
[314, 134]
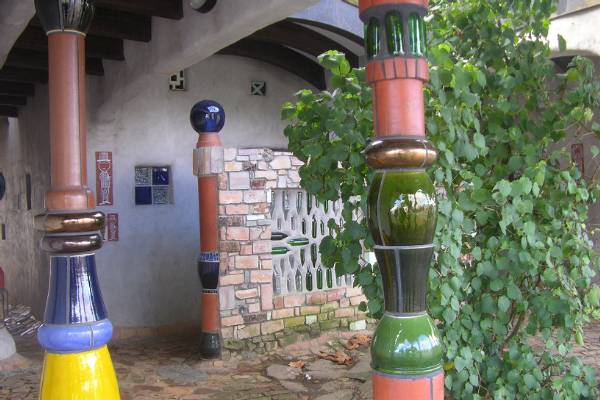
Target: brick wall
[250, 312]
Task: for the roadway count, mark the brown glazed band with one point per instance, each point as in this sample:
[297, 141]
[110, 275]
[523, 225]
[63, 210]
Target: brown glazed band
[400, 152]
[72, 244]
[70, 223]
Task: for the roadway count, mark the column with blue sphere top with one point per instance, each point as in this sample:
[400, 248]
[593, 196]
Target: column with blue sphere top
[207, 118]
[406, 350]
[76, 330]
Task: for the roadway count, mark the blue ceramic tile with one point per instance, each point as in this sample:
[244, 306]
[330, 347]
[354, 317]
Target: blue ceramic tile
[143, 195]
[160, 176]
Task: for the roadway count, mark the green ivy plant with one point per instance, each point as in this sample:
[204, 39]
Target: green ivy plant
[510, 287]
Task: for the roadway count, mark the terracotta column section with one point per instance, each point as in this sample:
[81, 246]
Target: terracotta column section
[207, 118]
[406, 349]
[76, 329]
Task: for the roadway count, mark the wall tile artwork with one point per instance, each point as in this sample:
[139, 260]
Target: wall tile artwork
[104, 178]
[112, 227]
[152, 185]
[258, 88]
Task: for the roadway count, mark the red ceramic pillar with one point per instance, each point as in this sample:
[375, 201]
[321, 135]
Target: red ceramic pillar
[207, 118]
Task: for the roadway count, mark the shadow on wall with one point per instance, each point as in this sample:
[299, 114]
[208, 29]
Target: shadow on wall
[24, 165]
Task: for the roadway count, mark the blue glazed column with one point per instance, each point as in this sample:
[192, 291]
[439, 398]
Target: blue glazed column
[207, 118]
[75, 332]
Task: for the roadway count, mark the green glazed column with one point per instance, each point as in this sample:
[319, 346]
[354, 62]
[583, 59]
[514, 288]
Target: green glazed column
[406, 350]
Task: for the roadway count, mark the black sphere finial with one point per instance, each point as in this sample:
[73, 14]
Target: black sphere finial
[65, 15]
[207, 116]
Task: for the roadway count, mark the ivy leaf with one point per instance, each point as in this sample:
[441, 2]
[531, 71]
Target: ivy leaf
[339, 152]
[504, 303]
[504, 187]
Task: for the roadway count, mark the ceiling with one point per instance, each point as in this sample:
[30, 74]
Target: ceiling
[289, 44]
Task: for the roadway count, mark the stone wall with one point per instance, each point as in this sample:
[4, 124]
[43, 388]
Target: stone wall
[251, 314]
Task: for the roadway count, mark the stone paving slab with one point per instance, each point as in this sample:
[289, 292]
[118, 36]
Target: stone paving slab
[170, 368]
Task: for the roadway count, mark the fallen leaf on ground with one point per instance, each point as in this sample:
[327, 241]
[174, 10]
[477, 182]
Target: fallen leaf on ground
[362, 339]
[339, 357]
[297, 364]
[356, 341]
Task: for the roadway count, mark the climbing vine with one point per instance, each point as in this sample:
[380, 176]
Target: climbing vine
[510, 286]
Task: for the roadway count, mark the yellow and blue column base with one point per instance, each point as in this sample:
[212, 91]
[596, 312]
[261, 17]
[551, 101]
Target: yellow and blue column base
[80, 376]
[77, 364]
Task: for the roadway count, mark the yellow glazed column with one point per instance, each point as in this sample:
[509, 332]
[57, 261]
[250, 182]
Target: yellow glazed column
[76, 329]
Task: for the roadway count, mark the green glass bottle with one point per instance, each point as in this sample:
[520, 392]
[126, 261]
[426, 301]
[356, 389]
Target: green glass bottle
[278, 236]
[395, 33]
[279, 250]
[329, 278]
[372, 40]
[309, 282]
[414, 34]
[320, 278]
[423, 33]
[298, 242]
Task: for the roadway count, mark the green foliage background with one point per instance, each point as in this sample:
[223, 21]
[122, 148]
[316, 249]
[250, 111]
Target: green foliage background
[514, 257]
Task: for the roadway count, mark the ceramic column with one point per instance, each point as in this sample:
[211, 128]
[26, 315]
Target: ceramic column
[76, 330]
[207, 118]
[406, 349]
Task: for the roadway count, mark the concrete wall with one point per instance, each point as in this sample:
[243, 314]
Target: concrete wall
[24, 150]
[149, 276]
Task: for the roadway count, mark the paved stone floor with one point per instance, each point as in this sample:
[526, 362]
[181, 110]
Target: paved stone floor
[170, 368]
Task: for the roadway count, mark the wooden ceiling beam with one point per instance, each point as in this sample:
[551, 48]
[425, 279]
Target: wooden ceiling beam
[12, 100]
[116, 25]
[302, 38]
[34, 38]
[23, 58]
[17, 89]
[13, 74]
[281, 57]
[7, 111]
[171, 9]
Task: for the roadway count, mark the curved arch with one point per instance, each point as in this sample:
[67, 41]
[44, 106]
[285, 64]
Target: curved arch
[280, 56]
[331, 28]
[304, 39]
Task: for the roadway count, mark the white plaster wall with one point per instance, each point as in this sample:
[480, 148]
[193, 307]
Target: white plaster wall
[579, 30]
[149, 276]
